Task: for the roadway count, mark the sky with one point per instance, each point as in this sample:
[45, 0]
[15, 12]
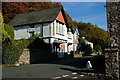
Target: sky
[93, 12]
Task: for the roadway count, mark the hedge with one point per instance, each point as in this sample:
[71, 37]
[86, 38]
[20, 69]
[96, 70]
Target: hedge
[11, 53]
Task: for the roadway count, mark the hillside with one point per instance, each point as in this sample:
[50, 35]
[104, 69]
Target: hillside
[92, 33]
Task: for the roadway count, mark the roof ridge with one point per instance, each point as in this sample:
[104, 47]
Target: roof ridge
[29, 17]
[38, 11]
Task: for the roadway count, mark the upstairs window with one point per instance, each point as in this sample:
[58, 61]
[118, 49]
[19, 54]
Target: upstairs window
[57, 27]
[64, 29]
[61, 29]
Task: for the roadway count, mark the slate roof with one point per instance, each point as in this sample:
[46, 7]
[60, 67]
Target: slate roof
[35, 17]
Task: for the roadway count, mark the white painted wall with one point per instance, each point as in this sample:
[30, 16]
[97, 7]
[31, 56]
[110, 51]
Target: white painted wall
[46, 29]
[75, 38]
[38, 29]
[66, 48]
[87, 42]
[70, 40]
[21, 32]
[70, 48]
[70, 37]
[75, 47]
[91, 44]
[61, 33]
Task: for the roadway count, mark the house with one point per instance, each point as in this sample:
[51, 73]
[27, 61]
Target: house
[87, 42]
[75, 39]
[70, 40]
[50, 24]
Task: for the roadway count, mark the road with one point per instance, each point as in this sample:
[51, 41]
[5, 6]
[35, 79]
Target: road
[68, 68]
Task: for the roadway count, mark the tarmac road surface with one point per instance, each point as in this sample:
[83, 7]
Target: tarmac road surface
[65, 69]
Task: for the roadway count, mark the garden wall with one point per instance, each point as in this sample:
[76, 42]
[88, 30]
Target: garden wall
[25, 57]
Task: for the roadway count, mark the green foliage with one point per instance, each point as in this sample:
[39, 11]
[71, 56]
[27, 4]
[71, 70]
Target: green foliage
[10, 54]
[85, 48]
[23, 43]
[81, 40]
[93, 51]
[4, 34]
[6, 30]
[93, 33]
[35, 36]
[10, 30]
[2, 30]
[88, 50]
[1, 24]
[38, 35]
[97, 47]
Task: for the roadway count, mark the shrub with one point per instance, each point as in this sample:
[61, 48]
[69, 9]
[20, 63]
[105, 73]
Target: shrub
[88, 50]
[97, 47]
[23, 43]
[11, 54]
[2, 30]
[10, 30]
[4, 34]
[93, 50]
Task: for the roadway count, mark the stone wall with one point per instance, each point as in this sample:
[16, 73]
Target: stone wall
[24, 58]
[113, 50]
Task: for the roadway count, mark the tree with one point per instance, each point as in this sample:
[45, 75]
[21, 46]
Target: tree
[11, 9]
[88, 50]
[98, 48]
[4, 33]
[10, 30]
[93, 33]
[85, 48]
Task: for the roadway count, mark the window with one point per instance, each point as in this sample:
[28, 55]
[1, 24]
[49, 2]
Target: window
[31, 31]
[57, 27]
[64, 31]
[60, 28]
